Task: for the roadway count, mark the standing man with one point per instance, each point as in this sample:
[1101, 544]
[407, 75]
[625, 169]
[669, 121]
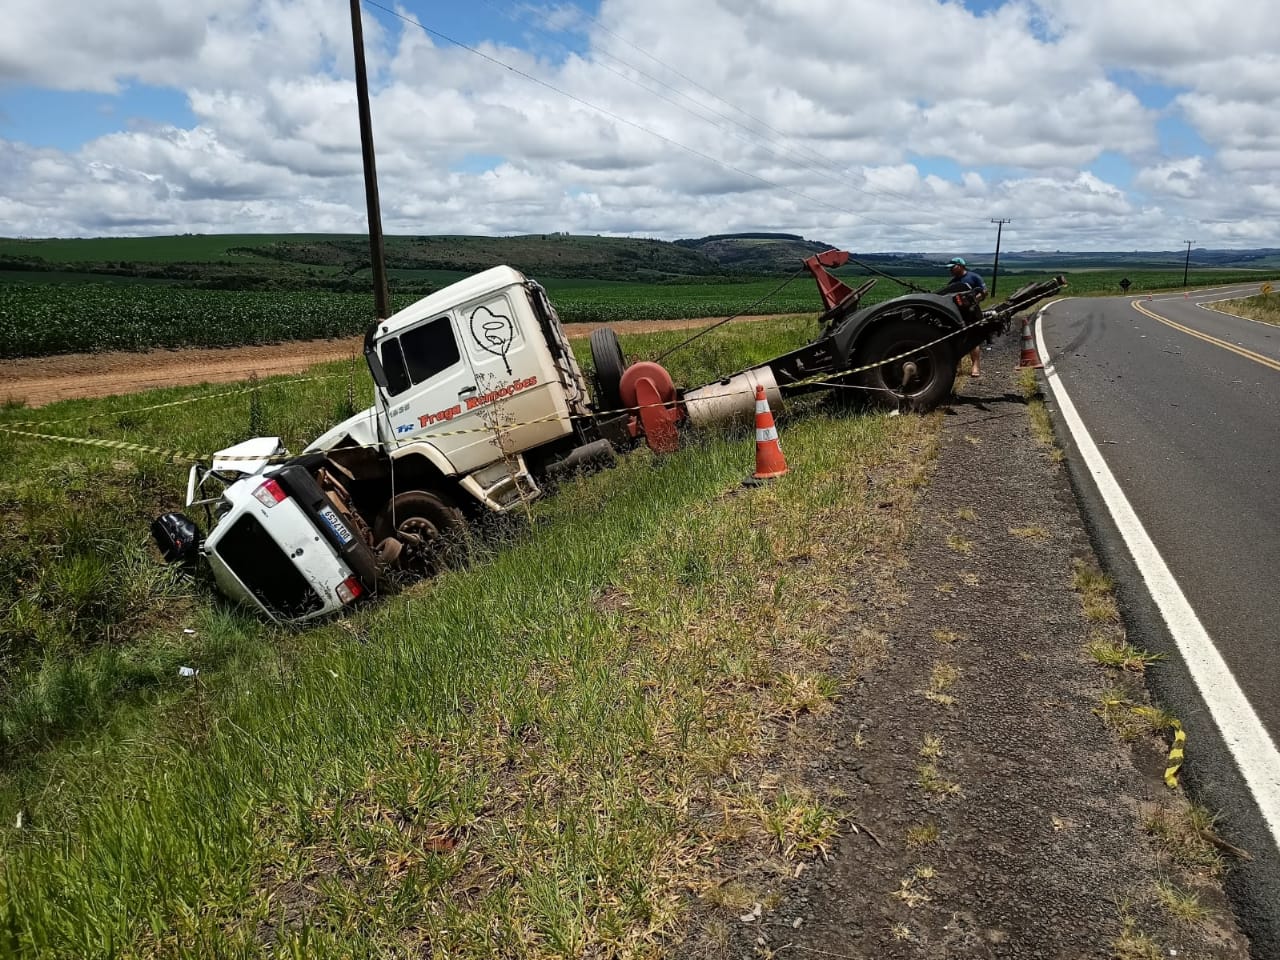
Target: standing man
[963, 278]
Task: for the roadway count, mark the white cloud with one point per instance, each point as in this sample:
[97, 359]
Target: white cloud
[876, 126]
[1178, 178]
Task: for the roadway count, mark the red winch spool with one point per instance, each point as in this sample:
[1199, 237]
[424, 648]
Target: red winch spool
[648, 389]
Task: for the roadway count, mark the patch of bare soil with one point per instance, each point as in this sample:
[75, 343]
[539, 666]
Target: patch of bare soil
[36, 381]
[991, 812]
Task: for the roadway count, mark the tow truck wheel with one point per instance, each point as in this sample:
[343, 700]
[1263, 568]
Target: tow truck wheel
[918, 379]
[607, 358]
[429, 530]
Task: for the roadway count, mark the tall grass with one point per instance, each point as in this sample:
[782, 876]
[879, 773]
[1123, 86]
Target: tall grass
[535, 756]
[1265, 307]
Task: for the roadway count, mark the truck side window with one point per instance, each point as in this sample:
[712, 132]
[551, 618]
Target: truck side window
[419, 354]
[393, 365]
[430, 348]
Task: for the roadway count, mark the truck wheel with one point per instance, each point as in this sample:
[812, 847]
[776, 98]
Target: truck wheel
[606, 357]
[915, 379]
[429, 529]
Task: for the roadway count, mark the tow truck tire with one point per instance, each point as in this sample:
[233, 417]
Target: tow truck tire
[935, 365]
[607, 358]
[431, 531]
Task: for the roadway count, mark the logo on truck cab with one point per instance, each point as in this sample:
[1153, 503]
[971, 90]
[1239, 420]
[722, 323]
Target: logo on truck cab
[472, 403]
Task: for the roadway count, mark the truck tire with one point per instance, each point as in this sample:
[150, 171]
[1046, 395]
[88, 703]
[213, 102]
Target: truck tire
[889, 383]
[431, 531]
[606, 357]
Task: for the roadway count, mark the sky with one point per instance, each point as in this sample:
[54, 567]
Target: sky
[875, 126]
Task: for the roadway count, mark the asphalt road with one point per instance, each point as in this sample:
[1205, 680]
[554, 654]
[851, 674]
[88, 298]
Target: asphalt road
[1186, 414]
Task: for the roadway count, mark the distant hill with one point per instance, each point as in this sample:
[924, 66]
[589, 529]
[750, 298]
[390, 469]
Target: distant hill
[420, 264]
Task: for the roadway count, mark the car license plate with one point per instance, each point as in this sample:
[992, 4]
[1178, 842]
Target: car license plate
[336, 525]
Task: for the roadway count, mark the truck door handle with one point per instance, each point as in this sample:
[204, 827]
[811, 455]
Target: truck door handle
[467, 390]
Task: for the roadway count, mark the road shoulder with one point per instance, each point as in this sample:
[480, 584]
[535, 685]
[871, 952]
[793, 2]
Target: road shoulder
[1003, 797]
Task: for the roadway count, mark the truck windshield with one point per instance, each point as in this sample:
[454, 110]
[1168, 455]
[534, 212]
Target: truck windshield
[419, 354]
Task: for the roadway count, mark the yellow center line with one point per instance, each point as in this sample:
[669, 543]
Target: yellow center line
[1247, 354]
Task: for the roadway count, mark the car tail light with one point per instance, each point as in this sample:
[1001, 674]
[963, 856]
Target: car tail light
[270, 493]
[350, 590]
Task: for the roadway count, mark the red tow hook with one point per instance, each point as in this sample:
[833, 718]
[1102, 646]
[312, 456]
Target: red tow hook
[649, 391]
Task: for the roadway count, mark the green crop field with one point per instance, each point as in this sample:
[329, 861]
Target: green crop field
[191, 248]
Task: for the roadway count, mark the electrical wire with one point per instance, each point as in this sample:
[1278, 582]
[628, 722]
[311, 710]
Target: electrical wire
[631, 123]
[751, 138]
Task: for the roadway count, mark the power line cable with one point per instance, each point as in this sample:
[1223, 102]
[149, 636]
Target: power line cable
[711, 93]
[638, 126]
[798, 157]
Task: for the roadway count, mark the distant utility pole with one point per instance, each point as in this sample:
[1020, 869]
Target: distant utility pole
[995, 267]
[1187, 266]
[381, 301]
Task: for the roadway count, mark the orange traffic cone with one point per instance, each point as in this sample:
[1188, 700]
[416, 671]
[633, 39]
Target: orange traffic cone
[1030, 356]
[770, 462]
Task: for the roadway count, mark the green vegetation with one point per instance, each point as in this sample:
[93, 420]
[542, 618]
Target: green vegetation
[1265, 307]
[538, 755]
[59, 296]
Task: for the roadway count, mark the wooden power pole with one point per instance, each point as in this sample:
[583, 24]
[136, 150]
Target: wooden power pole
[995, 267]
[381, 300]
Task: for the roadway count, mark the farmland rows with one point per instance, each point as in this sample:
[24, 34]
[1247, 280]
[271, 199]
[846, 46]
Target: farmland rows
[39, 320]
[43, 319]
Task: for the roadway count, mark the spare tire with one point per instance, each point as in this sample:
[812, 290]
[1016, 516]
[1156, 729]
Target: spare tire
[606, 357]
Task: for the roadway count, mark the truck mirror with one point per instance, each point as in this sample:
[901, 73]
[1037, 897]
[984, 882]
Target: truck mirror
[375, 367]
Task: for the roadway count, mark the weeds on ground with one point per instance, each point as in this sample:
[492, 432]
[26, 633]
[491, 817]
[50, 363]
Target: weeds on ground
[1096, 599]
[498, 762]
[1185, 833]
[1134, 944]
[1111, 652]
[1041, 422]
[941, 679]
[1184, 907]
[1038, 534]
[923, 834]
[1265, 307]
[932, 781]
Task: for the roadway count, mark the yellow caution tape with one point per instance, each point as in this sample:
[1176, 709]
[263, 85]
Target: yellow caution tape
[1175, 755]
[176, 456]
[171, 403]
[183, 457]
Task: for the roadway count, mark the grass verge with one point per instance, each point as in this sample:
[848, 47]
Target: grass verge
[1265, 307]
[537, 756]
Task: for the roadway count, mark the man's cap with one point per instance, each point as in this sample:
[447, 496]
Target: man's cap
[957, 261]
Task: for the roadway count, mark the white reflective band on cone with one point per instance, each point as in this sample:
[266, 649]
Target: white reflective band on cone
[762, 406]
[766, 433]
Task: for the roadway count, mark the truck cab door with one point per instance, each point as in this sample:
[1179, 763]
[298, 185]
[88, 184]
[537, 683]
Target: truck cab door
[429, 380]
[520, 395]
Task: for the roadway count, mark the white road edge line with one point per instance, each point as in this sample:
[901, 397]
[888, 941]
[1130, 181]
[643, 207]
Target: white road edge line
[1254, 751]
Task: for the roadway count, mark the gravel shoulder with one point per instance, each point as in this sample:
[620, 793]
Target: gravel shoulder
[991, 810]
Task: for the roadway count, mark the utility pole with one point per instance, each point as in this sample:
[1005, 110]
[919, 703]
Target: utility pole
[995, 268]
[1186, 267]
[381, 301]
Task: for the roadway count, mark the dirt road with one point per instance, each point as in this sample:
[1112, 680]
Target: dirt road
[36, 381]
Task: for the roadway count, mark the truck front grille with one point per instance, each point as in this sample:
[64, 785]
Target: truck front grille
[265, 570]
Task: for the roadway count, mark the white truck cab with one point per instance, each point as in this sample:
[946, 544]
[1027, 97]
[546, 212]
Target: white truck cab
[477, 397]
